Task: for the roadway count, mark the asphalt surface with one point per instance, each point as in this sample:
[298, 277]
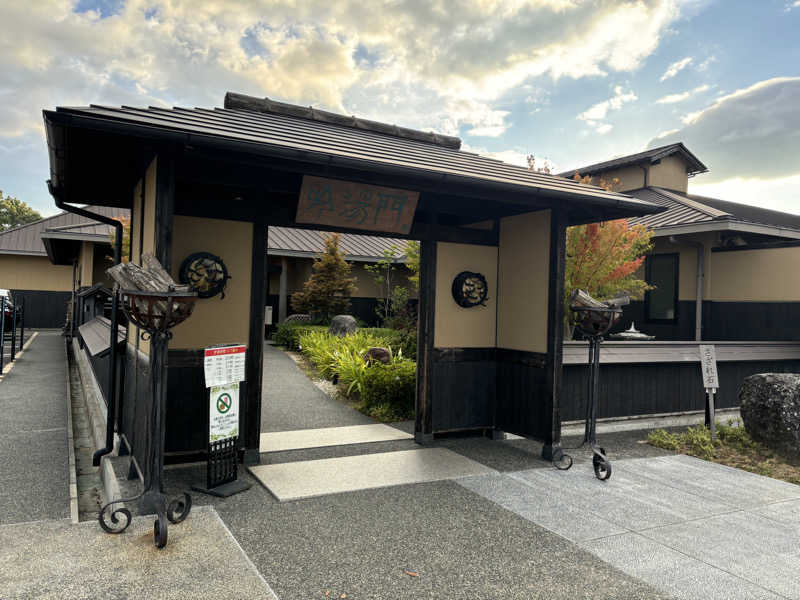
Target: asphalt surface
[291, 401]
[34, 470]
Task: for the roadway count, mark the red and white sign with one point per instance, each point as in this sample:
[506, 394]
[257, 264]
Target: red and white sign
[224, 364]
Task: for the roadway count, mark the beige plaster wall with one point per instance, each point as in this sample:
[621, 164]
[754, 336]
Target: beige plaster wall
[18, 272]
[523, 277]
[756, 275]
[143, 232]
[215, 320]
[687, 266]
[630, 178]
[670, 173]
[86, 264]
[454, 326]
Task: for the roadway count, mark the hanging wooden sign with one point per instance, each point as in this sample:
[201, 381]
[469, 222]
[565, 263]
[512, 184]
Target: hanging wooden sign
[355, 205]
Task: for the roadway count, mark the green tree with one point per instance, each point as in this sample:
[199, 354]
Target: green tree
[14, 212]
[126, 239]
[412, 262]
[327, 292]
[604, 258]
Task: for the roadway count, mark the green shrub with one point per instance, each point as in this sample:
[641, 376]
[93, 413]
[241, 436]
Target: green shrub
[661, 438]
[397, 339]
[287, 334]
[388, 390]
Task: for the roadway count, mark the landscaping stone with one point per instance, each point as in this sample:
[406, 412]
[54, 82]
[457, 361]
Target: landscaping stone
[375, 354]
[770, 409]
[342, 325]
[298, 318]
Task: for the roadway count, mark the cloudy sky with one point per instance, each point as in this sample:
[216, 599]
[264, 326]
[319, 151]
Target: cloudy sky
[572, 81]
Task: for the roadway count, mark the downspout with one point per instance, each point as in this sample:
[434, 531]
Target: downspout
[112, 384]
[698, 309]
[646, 172]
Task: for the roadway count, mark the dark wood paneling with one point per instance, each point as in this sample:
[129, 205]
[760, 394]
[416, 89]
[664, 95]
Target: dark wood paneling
[187, 403]
[642, 389]
[752, 321]
[464, 388]
[722, 321]
[43, 309]
[681, 329]
[522, 388]
[251, 439]
[423, 426]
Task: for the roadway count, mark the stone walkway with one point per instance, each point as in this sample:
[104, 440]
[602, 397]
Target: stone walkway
[691, 528]
[34, 470]
[291, 401]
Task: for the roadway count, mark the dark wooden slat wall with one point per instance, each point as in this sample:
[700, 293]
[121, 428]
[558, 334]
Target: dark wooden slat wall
[464, 388]
[43, 309]
[722, 321]
[642, 389]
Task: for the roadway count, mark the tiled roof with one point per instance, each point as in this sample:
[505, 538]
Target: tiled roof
[285, 135]
[27, 239]
[287, 241]
[685, 209]
[648, 156]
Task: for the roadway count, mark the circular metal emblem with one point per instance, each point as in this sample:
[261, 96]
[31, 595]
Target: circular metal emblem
[206, 273]
[470, 289]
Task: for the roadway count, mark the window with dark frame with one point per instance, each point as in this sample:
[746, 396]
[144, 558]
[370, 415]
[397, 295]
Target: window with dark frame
[661, 304]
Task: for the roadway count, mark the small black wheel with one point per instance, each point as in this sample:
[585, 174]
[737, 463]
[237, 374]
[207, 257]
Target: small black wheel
[561, 460]
[602, 466]
[160, 533]
[179, 509]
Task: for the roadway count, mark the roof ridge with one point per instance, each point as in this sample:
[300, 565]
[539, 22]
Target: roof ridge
[235, 101]
[710, 211]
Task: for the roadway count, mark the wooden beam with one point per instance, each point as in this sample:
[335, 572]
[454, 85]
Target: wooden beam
[555, 333]
[423, 426]
[255, 350]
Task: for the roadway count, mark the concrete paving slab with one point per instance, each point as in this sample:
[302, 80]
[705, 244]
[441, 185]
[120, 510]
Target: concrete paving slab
[306, 479]
[34, 472]
[617, 502]
[713, 481]
[676, 573]
[787, 513]
[754, 548]
[330, 436]
[541, 506]
[54, 559]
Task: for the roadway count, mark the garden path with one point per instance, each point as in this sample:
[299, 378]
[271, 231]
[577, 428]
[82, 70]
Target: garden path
[291, 401]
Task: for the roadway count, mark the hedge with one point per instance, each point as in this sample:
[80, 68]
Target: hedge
[388, 391]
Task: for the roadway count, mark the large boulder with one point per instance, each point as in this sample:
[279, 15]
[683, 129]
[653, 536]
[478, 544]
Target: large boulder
[342, 325]
[298, 318]
[770, 407]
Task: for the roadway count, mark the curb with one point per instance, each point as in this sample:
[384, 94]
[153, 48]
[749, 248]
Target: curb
[73, 475]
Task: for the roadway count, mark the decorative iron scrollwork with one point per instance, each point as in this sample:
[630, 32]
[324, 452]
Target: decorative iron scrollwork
[114, 526]
[206, 273]
[470, 289]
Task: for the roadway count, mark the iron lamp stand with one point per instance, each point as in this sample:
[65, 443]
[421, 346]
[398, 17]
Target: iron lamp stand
[155, 313]
[593, 323]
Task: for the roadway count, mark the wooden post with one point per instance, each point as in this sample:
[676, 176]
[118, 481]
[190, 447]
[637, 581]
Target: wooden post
[255, 350]
[283, 295]
[423, 427]
[555, 332]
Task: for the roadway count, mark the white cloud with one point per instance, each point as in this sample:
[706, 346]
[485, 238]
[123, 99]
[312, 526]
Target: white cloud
[751, 133]
[672, 98]
[680, 97]
[782, 193]
[594, 115]
[676, 68]
[313, 51]
[703, 66]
